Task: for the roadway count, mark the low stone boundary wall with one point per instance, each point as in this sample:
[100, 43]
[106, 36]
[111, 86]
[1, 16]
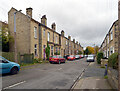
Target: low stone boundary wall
[113, 78]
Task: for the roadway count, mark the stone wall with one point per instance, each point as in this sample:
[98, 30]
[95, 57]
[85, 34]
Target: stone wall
[22, 31]
[113, 78]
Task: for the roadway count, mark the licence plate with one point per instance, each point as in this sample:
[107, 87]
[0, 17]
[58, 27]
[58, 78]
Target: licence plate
[52, 59]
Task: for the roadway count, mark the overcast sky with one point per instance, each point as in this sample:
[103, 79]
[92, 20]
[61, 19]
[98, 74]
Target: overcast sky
[87, 21]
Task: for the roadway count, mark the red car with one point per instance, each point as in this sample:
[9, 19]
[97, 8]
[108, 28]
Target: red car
[57, 59]
[71, 57]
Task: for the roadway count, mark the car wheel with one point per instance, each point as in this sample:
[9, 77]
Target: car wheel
[51, 62]
[14, 70]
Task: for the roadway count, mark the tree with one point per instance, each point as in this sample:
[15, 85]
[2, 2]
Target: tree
[96, 49]
[86, 51]
[5, 38]
[90, 49]
[47, 51]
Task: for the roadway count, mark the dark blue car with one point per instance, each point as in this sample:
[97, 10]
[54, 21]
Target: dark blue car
[8, 66]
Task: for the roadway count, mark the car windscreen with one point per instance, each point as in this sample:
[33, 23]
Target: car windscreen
[60, 57]
[90, 57]
[54, 57]
[3, 60]
[77, 56]
[71, 56]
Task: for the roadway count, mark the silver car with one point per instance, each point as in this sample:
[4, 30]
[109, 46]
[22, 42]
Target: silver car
[90, 58]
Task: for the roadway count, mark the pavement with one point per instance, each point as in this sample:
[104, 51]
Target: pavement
[46, 76]
[93, 78]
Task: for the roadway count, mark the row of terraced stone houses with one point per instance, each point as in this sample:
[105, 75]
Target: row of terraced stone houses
[110, 43]
[32, 36]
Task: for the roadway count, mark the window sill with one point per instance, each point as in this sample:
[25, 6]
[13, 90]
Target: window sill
[111, 40]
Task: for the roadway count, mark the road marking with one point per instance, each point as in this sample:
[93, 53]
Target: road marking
[14, 85]
[59, 68]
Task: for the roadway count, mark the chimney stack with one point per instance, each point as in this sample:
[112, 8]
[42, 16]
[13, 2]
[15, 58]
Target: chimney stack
[74, 40]
[69, 37]
[53, 26]
[29, 12]
[62, 33]
[44, 20]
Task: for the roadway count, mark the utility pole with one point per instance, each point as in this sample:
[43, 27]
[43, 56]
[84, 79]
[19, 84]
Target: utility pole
[94, 49]
[119, 45]
[15, 35]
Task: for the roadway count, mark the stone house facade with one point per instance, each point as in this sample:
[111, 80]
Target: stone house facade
[32, 36]
[110, 43]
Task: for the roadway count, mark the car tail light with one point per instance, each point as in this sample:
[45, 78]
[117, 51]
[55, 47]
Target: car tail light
[49, 58]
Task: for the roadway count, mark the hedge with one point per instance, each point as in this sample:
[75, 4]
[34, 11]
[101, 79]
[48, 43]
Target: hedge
[99, 57]
[113, 61]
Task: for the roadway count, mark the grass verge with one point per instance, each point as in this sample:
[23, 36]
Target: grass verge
[102, 67]
[106, 77]
[28, 64]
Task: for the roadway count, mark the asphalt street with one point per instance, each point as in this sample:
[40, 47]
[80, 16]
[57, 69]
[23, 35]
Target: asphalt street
[46, 76]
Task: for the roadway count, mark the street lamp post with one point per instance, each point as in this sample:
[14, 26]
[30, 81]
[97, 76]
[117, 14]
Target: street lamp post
[15, 35]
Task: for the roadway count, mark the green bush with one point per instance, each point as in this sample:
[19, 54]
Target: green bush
[37, 60]
[113, 60]
[47, 51]
[99, 57]
[57, 53]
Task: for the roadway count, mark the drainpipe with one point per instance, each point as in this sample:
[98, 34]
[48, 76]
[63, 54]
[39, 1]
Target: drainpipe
[40, 41]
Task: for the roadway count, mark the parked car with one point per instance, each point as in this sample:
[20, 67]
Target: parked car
[71, 57]
[85, 55]
[7, 66]
[66, 56]
[77, 56]
[90, 58]
[82, 56]
[57, 59]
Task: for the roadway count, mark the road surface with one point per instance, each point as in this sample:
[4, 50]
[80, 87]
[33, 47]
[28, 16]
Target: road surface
[46, 76]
